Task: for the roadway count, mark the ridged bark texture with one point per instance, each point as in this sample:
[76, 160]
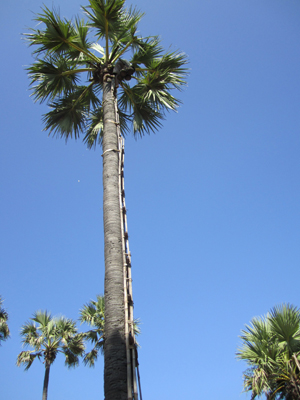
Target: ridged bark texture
[115, 372]
[46, 381]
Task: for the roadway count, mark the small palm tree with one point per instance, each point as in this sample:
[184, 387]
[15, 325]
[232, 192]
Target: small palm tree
[271, 348]
[93, 314]
[4, 329]
[120, 83]
[48, 338]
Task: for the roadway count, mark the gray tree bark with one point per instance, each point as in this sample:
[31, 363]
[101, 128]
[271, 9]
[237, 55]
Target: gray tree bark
[115, 370]
[46, 381]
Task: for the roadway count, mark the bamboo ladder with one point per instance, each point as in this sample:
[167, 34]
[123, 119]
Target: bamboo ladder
[131, 346]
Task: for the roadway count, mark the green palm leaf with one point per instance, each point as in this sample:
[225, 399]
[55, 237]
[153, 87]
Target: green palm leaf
[60, 36]
[48, 336]
[27, 358]
[93, 314]
[57, 35]
[271, 349]
[43, 318]
[145, 51]
[285, 323]
[94, 131]
[91, 336]
[67, 53]
[171, 69]
[104, 16]
[145, 118]
[30, 334]
[4, 329]
[54, 76]
[70, 112]
[80, 39]
[154, 89]
[73, 349]
[90, 358]
[125, 37]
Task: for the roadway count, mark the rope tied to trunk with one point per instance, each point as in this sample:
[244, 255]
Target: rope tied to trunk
[113, 122]
[106, 151]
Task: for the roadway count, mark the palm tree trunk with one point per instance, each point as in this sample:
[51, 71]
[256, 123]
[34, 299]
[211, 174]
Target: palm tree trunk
[46, 381]
[115, 370]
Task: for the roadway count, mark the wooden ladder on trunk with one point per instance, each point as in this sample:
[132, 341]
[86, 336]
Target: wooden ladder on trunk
[131, 345]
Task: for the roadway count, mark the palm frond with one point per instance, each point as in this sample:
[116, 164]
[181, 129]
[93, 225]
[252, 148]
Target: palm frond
[93, 311]
[69, 113]
[104, 16]
[100, 344]
[145, 118]
[54, 75]
[80, 39]
[3, 312]
[55, 38]
[171, 69]
[71, 359]
[90, 358]
[124, 121]
[76, 344]
[285, 323]
[136, 326]
[126, 37]
[27, 358]
[146, 50]
[60, 36]
[4, 329]
[50, 330]
[129, 20]
[29, 334]
[91, 336]
[154, 89]
[73, 349]
[42, 317]
[97, 47]
[94, 131]
[65, 328]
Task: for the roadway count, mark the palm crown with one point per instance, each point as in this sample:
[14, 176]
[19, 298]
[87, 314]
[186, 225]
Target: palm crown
[271, 348]
[69, 69]
[49, 336]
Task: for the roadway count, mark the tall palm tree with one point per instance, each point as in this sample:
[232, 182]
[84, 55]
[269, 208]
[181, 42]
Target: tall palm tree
[49, 336]
[93, 314]
[4, 329]
[96, 90]
[271, 348]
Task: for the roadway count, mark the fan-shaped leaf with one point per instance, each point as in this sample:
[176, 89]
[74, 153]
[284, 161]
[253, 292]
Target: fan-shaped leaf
[70, 112]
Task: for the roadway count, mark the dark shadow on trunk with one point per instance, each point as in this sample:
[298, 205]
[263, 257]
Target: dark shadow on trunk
[115, 379]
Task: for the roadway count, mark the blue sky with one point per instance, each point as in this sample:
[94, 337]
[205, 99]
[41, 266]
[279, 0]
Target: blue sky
[212, 199]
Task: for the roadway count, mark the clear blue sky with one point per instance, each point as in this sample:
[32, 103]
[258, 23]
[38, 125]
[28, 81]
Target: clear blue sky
[213, 201]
